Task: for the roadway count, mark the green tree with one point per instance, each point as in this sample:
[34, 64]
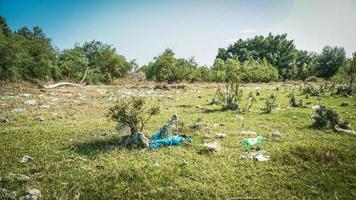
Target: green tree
[166, 67]
[329, 61]
[276, 49]
[104, 63]
[72, 64]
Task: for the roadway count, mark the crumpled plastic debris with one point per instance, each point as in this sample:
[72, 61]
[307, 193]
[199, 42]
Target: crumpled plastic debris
[18, 110]
[212, 146]
[25, 159]
[249, 142]
[175, 140]
[248, 132]
[33, 194]
[19, 177]
[258, 155]
[31, 102]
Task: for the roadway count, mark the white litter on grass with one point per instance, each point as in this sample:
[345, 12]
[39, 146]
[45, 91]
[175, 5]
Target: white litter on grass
[45, 106]
[213, 146]
[315, 107]
[18, 110]
[25, 95]
[33, 194]
[31, 102]
[248, 133]
[19, 177]
[25, 159]
[260, 156]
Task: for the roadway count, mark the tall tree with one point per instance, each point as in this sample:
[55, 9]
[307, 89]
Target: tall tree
[329, 61]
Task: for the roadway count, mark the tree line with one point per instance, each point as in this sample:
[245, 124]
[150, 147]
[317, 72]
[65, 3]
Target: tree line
[28, 54]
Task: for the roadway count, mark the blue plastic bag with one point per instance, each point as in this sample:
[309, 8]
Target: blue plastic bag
[175, 140]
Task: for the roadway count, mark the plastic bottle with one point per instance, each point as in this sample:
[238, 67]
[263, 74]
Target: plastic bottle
[252, 141]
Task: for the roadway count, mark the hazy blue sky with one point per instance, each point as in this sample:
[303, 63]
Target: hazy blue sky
[143, 29]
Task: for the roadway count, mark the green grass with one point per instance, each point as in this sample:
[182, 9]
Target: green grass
[76, 153]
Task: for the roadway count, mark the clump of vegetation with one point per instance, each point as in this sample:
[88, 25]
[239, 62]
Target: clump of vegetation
[230, 97]
[270, 103]
[326, 117]
[133, 113]
[293, 102]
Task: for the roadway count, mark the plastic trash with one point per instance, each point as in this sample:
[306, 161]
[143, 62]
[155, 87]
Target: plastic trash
[212, 146]
[31, 102]
[252, 141]
[18, 110]
[175, 140]
[25, 159]
[248, 133]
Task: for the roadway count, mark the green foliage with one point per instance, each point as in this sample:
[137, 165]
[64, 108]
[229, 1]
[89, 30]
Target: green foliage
[73, 64]
[347, 73]
[248, 71]
[166, 67]
[269, 103]
[133, 113]
[29, 55]
[305, 63]
[277, 50]
[329, 61]
[229, 98]
[104, 63]
[259, 71]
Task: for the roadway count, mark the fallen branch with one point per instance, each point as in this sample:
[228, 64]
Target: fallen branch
[61, 84]
[350, 132]
[85, 75]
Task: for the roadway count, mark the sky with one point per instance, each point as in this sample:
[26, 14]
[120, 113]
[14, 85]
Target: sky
[142, 29]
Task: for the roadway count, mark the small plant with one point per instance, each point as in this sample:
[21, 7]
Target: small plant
[132, 113]
[269, 103]
[231, 96]
[252, 99]
[293, 102]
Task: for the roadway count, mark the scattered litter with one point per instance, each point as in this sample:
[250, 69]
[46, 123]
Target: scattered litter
[7, 98]
[45, 106]
[276, 133]
[25, 95]
[33, 194]
[248, 133]
[252, 141]
[3, 120]
[9, 94]
[6, 194]
[19, 177]
[220, 135]
[41, 119]
[25, 159]
[175, 140]
[344, 104]
[102, 91]
[18, 110]
[170, 97]
[212, 146]
[294, 117]
[31, 102]
[260, 155]
[316, 107]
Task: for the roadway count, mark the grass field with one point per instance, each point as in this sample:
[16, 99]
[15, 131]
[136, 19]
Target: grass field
[76, 154]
